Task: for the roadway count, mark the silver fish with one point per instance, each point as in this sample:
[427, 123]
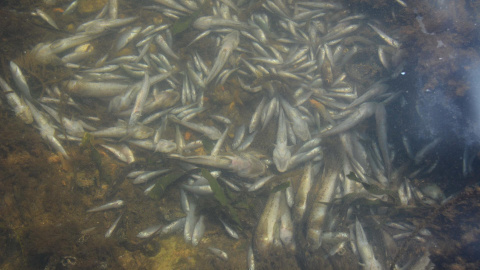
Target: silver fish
[164, 46]
[148, 176]
[20, 80]
[381, 120]
[229, 230]
[250, 258]
[281, 152]
[300, 127]
[365, 249]
[126, 37]
[209, 22]
[18, 104]
[113, 227]
[301, 197]
[324, 195]
[365, 110]
[390, 41]
[229, 44]
[239, 133]
[198, 231]
[260, 183]
[46, 17]
[190, 222]
[46, 129]
[211, 132]
[139, 102]
[244, 164]
[374, 90]
[255, 120]
[150, 231]
[173, 226]
[95, 89]
[107, 206]
[219, 144]
[264, 234]
[219, 253]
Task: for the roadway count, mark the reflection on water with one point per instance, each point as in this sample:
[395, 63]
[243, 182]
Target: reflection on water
[236, 134]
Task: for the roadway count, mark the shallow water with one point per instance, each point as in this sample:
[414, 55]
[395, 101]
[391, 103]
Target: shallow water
[45, 197]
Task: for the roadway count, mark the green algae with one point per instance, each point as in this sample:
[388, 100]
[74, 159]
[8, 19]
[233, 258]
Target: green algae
[219, 195]
[163, 183]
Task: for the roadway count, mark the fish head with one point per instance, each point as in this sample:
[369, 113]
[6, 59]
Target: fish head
[281, 157]
[165, 146]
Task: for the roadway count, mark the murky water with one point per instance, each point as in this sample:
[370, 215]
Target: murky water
[344, 75]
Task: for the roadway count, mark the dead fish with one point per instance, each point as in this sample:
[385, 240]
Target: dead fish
[365, 110]
[113, 227]
[20, 80]
[229, 43]
[107, 206]
[46, 18]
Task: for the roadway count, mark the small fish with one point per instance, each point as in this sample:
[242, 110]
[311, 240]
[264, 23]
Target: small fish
[165, 146]
[113, 227]
[209, 22]
[20, 80]
[148, 232]
[219, 253]
[47, 131]
[260, 183]
[95, 89]
[300, 158]
[173, 226]
[320, 204]
[229, 44]
[229, 229]
[381, 120]
[281, 152]
[375, 90]
[203, 190]
[71, 8]
[140, 102]
[126, 37]
[390, 41]
[46, 18]
[219, 144]
[107, 206]
[365, 249]
[422, 153]
[247, 141]
[221, 119]
[211, 132]
[250, 258]
[45, 53]
[364, 111]
[269, 111]
[18, 104]
[198, 231]
[164, 46]
[239, 134]
[300, 127]
[287, 228]
[174, 5]
[122, 152]
[265, 232]
[148, 176]
[306, 183]
[113, 9]
[255, 120]
[340, 32]
[190, 222]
